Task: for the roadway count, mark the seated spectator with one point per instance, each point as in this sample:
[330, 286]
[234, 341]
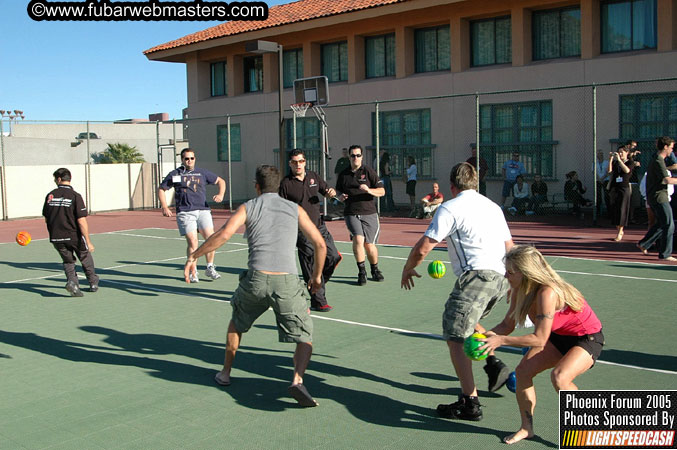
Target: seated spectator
[429, 203]
[539, 195]
[520, 193]
[573, 192]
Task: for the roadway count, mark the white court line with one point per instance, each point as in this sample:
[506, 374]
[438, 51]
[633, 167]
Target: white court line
[392, 329]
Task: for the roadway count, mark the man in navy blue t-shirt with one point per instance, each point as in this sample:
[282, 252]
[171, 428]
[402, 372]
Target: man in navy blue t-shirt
[190, 198]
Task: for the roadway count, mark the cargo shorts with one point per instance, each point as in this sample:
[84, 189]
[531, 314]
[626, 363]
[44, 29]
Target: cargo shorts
[475, 294]
[285, 294]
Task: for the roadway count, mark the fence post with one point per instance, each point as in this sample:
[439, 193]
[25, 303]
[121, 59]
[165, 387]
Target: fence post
[88, 177]
[3, 173]
[477, 137]
[594, 152]
[230, 173]
[378, 152]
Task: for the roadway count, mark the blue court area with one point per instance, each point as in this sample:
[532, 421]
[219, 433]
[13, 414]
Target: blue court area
[132, 365]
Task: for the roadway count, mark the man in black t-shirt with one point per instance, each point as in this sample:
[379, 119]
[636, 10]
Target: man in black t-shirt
[657, 179]
[66, 217]
[302, 187]
[358, 185]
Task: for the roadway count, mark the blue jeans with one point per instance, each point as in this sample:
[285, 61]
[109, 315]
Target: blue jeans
[661, 231]
[388, 185]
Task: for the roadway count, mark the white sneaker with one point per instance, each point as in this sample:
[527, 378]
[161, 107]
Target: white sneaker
[193, 278]
[212, 273]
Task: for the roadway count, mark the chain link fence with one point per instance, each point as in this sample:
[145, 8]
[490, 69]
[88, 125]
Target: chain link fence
[550, 133]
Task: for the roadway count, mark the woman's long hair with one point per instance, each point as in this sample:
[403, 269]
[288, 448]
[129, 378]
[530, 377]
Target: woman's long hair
[537, 273]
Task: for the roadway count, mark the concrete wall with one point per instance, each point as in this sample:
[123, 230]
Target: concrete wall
[57, 143]
[111, 187]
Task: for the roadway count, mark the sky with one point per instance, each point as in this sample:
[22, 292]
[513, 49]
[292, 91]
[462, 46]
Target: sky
[89, 70]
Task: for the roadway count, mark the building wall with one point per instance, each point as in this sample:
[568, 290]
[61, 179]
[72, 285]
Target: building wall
[453, 121]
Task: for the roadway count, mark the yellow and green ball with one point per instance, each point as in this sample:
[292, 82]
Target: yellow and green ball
[471, 347]
[436, 269]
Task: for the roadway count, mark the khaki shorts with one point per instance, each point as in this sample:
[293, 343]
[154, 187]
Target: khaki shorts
[286, 294]
[475, 294]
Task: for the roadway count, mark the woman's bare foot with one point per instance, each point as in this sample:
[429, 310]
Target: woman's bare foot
[521, 434]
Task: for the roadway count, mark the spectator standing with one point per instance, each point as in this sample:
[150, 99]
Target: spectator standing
[66, 218]
[511, 169]
[620, 167]
[602, 169]
[412, 173]
[358, 186]
[192, 211]
[657, 180]
[386, 173]
[343, 162]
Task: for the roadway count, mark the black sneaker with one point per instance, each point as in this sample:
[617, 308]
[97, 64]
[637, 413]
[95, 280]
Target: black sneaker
[466, 408]
[498, 374]
[74, 289]
[361, 278]
[376, 275]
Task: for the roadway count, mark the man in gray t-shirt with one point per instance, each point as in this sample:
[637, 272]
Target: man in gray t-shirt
[271, 227]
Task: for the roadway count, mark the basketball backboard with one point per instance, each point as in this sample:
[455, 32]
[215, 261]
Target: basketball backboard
[314, 90]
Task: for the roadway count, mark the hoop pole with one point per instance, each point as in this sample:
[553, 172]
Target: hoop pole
[378, 154]
[294, 131]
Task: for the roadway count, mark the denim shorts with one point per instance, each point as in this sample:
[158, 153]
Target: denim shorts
[475, 294]
[190, 221]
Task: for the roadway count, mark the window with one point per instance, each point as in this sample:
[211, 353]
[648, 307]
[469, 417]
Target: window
[222, 142]
[402, 134]
[525, 128]
[253, 73]
[433, 49]
[628, 25]
[292, 63]
[335, 61]
[643, 117]
[218, 77]
[380, 56]
[491, 41]
[307, 138]
[556, 33]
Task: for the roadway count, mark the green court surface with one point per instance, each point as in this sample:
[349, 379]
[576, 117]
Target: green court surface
[132, 366]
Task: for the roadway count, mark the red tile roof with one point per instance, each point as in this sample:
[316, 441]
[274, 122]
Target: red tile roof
[278, 15]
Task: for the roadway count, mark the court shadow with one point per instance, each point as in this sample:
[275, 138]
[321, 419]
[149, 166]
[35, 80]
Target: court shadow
[57, 291]
[35, 265]
[648, 360]
[179, 267]
[662, 267]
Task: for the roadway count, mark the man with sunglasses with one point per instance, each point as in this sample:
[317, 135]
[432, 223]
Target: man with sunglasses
[190, 198]
[359, 185]
[302, 187]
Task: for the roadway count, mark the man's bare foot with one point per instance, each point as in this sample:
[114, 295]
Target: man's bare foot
[521, 434]
[222, 378]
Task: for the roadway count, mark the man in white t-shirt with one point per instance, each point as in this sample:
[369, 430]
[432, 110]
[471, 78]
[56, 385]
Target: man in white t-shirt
[477, 237]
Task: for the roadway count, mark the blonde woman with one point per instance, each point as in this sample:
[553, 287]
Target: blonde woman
[567, 336]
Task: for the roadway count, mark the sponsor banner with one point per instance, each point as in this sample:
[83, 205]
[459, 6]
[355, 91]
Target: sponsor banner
[617, 419]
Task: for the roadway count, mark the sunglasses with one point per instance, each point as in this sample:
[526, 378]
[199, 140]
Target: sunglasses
[356, 156]
[189, 158]
[300, 161]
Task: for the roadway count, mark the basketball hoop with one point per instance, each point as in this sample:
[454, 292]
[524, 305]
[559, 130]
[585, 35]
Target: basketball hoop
[300, 109]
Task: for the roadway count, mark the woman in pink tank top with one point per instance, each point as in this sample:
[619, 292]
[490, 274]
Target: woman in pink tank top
[567, 336]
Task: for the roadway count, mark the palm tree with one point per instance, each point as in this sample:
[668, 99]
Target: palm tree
[119, 153]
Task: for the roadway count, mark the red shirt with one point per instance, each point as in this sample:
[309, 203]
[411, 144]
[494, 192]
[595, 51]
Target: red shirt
[576, 323]
[432, 196]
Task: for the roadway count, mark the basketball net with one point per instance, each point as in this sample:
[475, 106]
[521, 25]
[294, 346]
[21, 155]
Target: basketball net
[300, 109]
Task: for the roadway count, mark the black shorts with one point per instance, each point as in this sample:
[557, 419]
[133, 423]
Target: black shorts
[591, 343]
